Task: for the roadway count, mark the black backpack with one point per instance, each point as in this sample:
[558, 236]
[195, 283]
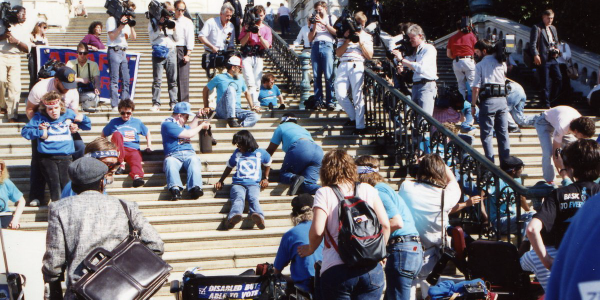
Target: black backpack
[360, 242]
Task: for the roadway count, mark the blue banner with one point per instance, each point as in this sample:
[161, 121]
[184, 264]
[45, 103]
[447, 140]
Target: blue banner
[64, 54]
[233, 292]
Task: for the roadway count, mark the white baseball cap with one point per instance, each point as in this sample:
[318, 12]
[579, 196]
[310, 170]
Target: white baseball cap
[235, 61]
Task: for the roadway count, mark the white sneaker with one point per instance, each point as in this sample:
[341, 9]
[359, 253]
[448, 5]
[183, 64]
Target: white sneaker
[34, 203]
[155, 108]
[115, 109]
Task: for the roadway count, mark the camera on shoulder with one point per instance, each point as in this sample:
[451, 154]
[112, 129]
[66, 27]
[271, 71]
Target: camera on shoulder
[156, 12]
[251, 18]
[118, 9]
[8, 14]
[505, 47]
[347, 23]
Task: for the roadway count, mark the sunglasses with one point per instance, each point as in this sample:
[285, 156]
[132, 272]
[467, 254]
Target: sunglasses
[112, 167]
[125, 113]
[181, 10]
[82, 53]
[45, 27]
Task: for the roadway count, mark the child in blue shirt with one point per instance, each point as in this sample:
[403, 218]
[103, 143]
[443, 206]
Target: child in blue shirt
[248, 179]
[9, 192]
[269, 92]
[53, 125]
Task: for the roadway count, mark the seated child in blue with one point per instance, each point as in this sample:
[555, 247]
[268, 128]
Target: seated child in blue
[248, 179]
[9, 192]
[269, 93]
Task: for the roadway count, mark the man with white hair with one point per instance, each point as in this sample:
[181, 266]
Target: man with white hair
[218, 33]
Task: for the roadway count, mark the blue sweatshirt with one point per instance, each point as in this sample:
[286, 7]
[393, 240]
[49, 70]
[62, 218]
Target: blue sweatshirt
[59, 141]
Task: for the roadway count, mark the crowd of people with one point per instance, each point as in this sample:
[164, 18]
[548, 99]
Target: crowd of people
[410, 220]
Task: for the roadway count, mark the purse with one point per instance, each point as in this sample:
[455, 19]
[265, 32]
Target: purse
[572, 72]
[130, 272]
[160, 51]
[207, 141]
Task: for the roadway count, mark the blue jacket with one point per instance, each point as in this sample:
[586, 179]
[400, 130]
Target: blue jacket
[59, 141]
[539, 44]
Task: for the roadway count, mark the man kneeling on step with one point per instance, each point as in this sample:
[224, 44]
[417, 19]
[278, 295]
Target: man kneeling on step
[230, 87]
[179, 152]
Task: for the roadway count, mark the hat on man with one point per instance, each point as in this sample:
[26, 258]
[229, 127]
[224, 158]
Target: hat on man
[301, 201]
[234, 61]
[183, 108]
[87, 170]
[511, 163]
[66, 76]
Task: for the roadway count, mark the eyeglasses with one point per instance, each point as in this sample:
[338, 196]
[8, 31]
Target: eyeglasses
[82, 53]
[181, 10]
[126, 113]
[111, 167]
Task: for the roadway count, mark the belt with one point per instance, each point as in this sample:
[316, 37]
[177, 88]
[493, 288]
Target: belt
[423, 81]
[494, 90]
[351, 60]
[404, 239]
[118, 48]
[461, 57]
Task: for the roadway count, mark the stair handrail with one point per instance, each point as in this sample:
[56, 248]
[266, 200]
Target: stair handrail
[395, 119]
[287, 62]
[198, 22]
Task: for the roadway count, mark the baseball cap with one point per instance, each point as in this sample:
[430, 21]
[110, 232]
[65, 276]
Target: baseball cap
[301, 201]
[183, 108]
[511, 163]
[87, 170]
[235, 61]
[67, 77]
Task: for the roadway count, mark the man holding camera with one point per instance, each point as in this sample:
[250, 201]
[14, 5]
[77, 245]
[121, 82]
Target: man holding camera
[163, 38]
[322, 37]
[255, 40]
[218, 33]
[88, 78]
[13, 42]
[185, 31]
[424, 64]
[118, 32]
[544, 49]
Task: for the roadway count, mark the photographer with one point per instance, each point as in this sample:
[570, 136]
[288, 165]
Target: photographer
[218, 33]
[185, 31]
[543, 41]
[163, 37]
[350, 72]
[424, 65]
[118, 32]
[88, 78]
[489, 86]
[322, 37]
[13, 42]
[255, 39]
[236, 17]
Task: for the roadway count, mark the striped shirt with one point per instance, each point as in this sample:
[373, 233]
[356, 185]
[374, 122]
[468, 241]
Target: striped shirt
[532, 263]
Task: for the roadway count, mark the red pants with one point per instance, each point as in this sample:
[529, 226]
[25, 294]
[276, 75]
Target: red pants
[132, 157]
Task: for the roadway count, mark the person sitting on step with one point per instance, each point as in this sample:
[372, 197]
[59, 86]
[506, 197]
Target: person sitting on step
[270, 93]
[230, 86]
[179, 152]
[125, 133]
[9, 192]
[248, 179]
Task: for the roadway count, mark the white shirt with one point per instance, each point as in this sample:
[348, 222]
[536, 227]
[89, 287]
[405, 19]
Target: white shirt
[326, 200]
[321, 33]
[354, 51]
[283, 11]
[185, 32]
[303, 36]
[424, 62]
[269, 10]
[121, 41]
[560, 118]
[425, 204]
[20, 33]
[565, 51]
[71, 98]
[217, 34]
[489, 71]
[158, 37]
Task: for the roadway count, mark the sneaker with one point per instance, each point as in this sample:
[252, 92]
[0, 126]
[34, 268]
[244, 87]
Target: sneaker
[514, 130]
[295, 185]
[34, 203]
[138, 181]
[120, 170]
[233, 221]
[233, 123]
[258, 220]
[196, 192]
[350, 123]
[155, 108]
[175, 193]
[115, 109]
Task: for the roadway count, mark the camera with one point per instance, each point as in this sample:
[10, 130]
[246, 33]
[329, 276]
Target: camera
[347, 23]
[553, 51]
[447, 255]
[9, 15]
[251, 18]
[505, 47]
[118, 9]
[313, 17]
[465, 25]
[157, 11]
[404, 46]
[213, 61]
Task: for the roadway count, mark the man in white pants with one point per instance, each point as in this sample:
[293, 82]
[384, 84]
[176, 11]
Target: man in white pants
[350, 73]
[461, 49]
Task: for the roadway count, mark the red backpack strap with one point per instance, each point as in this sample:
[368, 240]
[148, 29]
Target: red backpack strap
[338, 193]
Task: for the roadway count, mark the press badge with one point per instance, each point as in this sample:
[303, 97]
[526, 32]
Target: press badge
[360, 219]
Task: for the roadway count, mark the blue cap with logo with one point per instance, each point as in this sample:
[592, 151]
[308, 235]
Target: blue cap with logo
[183, 108]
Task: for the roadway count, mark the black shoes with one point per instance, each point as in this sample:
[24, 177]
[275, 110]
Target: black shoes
[196, 192]
[233, 123]
[297, 181]
[138, 182]
[120, 171]
[175, 193]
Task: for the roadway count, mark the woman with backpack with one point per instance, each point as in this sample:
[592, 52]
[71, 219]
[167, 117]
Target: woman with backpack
[344, 276]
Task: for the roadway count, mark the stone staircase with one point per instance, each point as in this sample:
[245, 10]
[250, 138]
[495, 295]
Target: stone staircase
[191, 229]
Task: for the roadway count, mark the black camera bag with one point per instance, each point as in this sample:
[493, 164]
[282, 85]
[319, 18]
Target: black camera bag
[215, 60]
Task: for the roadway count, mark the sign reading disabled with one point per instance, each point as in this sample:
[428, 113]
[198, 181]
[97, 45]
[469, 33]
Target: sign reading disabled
[65, 54]
[237, 291]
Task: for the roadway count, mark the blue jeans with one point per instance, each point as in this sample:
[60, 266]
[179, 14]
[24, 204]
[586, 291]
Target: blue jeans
[550, 81]
[525, 217]
[117, 61]
[516, 104]
[270, 20]
[469, 120]
[493, 115]
[190, 161]
[227, 108]
[424, 95]
[302, 158]
[322, 59]
[341, 282]
[169, 64]
[403, 264]
[239, 194]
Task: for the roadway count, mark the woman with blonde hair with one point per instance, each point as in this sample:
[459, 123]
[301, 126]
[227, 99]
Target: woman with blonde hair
[37, 38]
[9, 192]
[405, 253]
[342, 281]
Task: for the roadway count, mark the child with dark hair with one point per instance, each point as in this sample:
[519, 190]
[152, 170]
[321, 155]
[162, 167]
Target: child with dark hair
[52, 126]
[269, 92]
[248, 179]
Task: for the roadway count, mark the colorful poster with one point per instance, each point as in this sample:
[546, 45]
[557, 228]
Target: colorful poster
[65, 54]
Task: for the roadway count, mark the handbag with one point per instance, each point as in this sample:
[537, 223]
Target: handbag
[572, 72]
[160, 51]
[129, 272]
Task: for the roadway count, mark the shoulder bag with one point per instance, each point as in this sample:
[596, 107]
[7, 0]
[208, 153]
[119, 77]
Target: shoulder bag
[130, 272]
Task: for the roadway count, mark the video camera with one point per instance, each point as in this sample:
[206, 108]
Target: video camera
[8, 14]
[118, 9]
[157, 11]
[404, 46]
[347, 23]
[313, 17]
[251, 18]
[465, 25]
[505, 47]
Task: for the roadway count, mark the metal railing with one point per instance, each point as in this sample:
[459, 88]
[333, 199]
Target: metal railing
[198, 23]
[402, 127]
[288, 62]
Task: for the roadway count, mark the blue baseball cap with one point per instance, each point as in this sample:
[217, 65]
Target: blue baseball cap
[183, 108]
